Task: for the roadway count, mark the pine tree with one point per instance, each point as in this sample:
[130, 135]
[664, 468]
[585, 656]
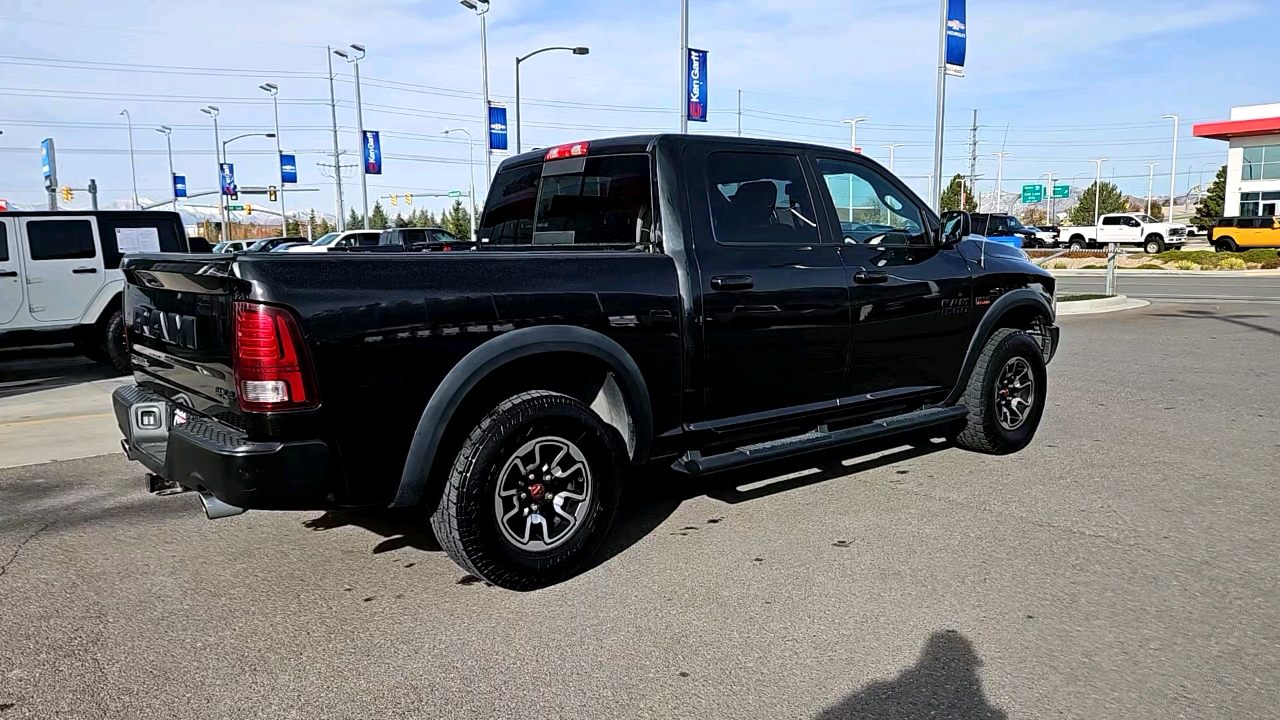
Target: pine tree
[354, 221]
[320, 226]
[1110, 200]
[1209, 209]
[378, 217]
[457, 220]
[951, 196]
[402, 221]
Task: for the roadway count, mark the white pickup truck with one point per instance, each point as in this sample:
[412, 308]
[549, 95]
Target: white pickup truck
[1125, 229]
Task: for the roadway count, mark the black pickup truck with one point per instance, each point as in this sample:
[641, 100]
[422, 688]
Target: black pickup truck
[689, 301]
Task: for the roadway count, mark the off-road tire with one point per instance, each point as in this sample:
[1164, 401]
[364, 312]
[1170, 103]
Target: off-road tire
[465, 522]
[105, 343]
[981, 430]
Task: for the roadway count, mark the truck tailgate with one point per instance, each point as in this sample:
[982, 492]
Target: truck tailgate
[177, 311]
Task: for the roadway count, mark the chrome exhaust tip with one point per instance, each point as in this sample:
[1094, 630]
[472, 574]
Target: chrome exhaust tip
[215, 509]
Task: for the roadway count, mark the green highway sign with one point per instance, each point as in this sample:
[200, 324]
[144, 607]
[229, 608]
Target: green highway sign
[235, 208]
[455, 193]
[1061, 191]
[1032, 193]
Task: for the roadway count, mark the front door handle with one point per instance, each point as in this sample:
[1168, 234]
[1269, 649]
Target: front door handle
[868, 277]
[732, 282]
[8, 273]
[82, 271]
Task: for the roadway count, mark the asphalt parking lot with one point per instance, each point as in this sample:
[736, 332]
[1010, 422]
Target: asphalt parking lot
[1123, 566]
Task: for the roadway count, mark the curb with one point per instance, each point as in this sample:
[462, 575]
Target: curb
[1104, 305]
[1161, 273]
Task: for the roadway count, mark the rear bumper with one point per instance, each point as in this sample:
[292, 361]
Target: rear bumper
[203, 454]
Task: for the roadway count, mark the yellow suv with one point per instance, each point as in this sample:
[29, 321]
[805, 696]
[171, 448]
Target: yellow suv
[1237, 233]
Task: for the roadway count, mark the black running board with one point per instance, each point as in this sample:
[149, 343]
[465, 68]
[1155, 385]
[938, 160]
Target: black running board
[694, 463]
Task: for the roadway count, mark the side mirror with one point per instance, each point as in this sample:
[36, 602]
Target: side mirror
[956, 226]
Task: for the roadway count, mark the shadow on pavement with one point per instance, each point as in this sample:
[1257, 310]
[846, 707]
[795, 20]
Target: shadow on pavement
[943, 683]
[1233, 318]
[651, 495]
[26, 370]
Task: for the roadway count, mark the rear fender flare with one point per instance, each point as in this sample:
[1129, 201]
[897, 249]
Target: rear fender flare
[990, 322]
[492, 355]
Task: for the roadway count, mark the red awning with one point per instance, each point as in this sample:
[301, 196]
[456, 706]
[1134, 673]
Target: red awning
[1227, 129]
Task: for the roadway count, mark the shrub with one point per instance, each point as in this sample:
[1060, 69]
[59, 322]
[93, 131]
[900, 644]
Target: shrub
[1272, 264]
[1064, 266]
[1184, 265]
[1093, 267]
[1259, 255]
[1231, 263]
[1149, 266]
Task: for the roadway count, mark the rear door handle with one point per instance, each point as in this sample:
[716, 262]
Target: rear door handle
[81, 271]
[868, 277]
[732, 282]
[8, 273]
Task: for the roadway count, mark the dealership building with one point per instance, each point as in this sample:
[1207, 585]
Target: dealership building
[1253, 158]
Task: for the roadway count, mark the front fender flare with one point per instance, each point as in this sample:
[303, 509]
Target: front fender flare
[1021, 297]
[495, 353]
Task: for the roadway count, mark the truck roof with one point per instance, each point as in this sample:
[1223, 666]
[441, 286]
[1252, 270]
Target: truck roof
[94, 213]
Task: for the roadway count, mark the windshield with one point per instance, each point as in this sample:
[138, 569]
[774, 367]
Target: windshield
[220, 247]
[1147, 219]
[326, 239]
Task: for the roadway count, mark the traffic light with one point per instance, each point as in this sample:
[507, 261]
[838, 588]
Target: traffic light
[393, 201]
[271, 193]
[408, 198]
[67, 194]
[248, 209]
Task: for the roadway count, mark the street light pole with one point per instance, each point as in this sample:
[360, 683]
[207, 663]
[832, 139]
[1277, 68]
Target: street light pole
[940, 110]
[1173, 169]
[1151, 176]
[471, 148]
[853, 147]
[481, 8]
[999, 175]
[224, 232]
[354, 60]
[684, 63]
[168, 143]
[225, 143]
[519, 59]
[892, 147]
[274, 90]
[1048, 197]
[1097, 192]
[133, 170]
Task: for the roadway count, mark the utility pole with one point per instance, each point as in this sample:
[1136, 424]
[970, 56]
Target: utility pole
[739, 112]
[999, 175]
[93, 194]
[337, 159]
[973, 161]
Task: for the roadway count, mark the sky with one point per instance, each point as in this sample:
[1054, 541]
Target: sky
[1054, 84]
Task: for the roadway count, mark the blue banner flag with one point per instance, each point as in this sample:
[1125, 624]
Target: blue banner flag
[46, 157]
[179, 185]
[288, 169]
[372, 153]
[956, 37]
[697, 85]
[228, 171]
[497, 127]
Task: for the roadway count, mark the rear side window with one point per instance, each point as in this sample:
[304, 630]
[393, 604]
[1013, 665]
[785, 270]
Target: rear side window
[367, 239]
[60, 239]
[147, 232]
[1227, 222]
[4, 243]
[760, 198]
[601, 200]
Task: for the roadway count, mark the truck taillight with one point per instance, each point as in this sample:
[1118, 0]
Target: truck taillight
[270, 362]
[571, 150]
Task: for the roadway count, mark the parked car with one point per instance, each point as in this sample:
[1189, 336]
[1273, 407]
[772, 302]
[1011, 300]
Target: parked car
[60, 278]
[1046, 235]
[1004, 228]
[699, 307]
[269, 244]
[422, 239]
[340, 240]
[1231, 234]
[233, 246]
[1126, 229]
[287, 246]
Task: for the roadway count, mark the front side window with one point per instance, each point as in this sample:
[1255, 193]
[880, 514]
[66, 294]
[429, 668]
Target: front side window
[871, 210]
[760, 198]
[1113, 220]
[60, 239]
